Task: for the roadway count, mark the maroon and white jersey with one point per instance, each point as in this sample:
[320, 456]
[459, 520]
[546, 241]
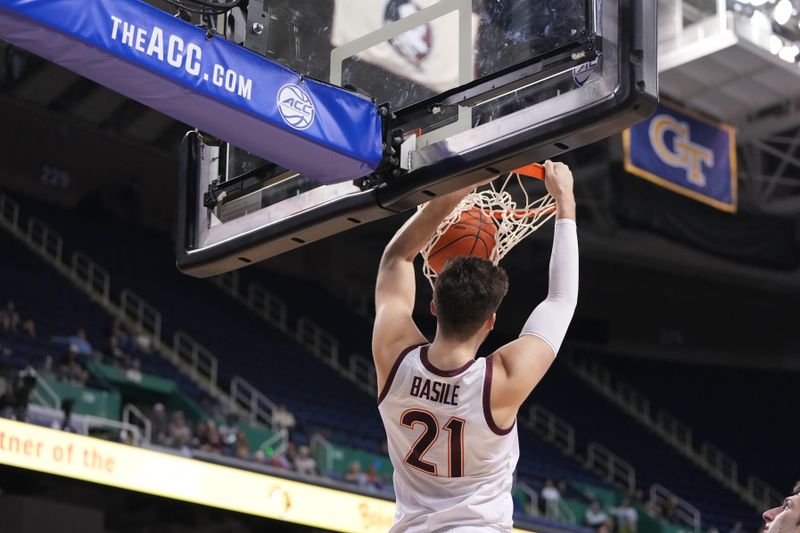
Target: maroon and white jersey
[453, 466]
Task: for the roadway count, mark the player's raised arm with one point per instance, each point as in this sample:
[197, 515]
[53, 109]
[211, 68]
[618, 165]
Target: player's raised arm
[394, 328]
[520, 365]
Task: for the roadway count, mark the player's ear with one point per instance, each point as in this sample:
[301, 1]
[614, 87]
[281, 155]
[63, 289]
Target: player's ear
[433, 308]
[490, 322]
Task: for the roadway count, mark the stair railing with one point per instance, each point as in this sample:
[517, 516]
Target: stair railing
[133, 416]
[686, 512]
[141, 313]
[614, 469]
[93, 277]
[202, 363]
[321, 343]
[552, 428]
[259, 408]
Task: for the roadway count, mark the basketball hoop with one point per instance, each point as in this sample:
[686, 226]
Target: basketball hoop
[514, 219]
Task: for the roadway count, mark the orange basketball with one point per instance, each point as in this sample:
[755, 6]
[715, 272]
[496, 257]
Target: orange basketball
[472, 235]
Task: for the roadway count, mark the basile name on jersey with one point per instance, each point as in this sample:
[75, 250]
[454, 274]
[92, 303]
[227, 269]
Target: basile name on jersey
[435, 391]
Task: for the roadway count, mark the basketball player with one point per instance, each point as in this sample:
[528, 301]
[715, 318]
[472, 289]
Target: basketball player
[786, 517]
[449, 417]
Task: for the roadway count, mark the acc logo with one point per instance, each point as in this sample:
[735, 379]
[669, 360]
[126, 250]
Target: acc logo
[415, 44]
[583, 73]
[684, 153]
[295, 106]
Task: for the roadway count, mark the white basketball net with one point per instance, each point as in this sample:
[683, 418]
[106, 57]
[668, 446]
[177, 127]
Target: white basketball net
[514, 220]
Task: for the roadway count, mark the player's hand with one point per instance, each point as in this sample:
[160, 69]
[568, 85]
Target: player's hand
[558, 180]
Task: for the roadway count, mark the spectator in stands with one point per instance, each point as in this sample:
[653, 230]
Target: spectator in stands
[200, 437]
[29, 328]
[142, 341]
[304, 463]
[180, 435]
[550, 500]
[627, 517]
[158, 418]
[46, 368]
[669, 509]
[279, 460]
[784, 518]
[114, 353]
[70, 369]
[373, 480]
[595, 517]
[78, 340]
[10, 318]
[213, 439]
[353, 474]
[241, 448]
[284, 419]
[228, 432]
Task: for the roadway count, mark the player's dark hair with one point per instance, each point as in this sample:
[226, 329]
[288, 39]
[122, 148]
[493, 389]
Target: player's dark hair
[796, 490]
[466, 293]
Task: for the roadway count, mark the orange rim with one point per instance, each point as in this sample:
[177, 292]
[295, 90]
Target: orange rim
[534, 170]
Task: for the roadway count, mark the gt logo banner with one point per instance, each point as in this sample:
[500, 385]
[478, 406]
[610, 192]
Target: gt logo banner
[686, 153]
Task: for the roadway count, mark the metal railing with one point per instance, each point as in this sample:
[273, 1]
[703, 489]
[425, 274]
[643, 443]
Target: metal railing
[718, 464]
[531, 508]
[593, 371]
[552, 428]
[611, 467]
[277, 443]
[685, 512]
[94, 277]
[361, 302]
[202, 363]
[268, 306]
[324, 452]
[133, 416]
[228, 282]
[763, 493]
[259, 407]
[140, 312]
[362, 371]
[320, 342]
[128, 432]
[724, 466]
[674, 430]
[50, 398]
[9, 212]
[45, 240]
[636, 401]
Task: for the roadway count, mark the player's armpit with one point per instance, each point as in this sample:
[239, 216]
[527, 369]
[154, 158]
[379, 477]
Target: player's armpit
[518, 367]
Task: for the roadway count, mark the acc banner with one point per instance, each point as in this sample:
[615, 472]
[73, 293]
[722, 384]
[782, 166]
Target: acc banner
[687, 154]
[427, 55]
[324, 132]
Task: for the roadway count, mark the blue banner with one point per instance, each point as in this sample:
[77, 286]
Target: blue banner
[686, 153]
[319, 130]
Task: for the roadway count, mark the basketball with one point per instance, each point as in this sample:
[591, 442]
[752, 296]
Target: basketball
[472, 235]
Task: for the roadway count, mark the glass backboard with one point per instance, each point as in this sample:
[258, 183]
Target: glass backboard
[471, 89]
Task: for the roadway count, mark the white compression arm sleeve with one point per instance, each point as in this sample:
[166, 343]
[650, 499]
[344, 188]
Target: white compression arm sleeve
[551, 318]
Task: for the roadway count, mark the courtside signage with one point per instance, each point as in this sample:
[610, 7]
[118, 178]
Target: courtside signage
[160, 474]
[686, 153]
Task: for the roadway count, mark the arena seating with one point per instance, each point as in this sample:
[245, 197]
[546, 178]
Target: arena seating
[745, 405]
[596, 418]
[323, 400]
